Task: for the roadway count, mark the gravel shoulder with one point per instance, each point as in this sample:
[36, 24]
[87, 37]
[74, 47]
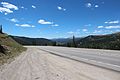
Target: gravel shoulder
[35, 64]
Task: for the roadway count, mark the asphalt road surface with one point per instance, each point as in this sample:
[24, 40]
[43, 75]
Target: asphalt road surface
[37, 64]
[105, 58]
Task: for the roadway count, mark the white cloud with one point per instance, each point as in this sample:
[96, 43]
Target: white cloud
[13, 20]
[112, 27]
[33, 6]
[100, 26]
[41, 21]
[71, 32]
[112, 22]
[9, 6]
[17, 25]
[55, 25]
[89, 5]
[6, 13]
[84, 30]
[6, 10]
[64, 9]
[106, 22]
[97, 31]
[22, 7]
[96, 6]
[24, 25]
[60, 8]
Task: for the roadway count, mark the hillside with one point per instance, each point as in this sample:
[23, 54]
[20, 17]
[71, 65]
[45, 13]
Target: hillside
[9, 48]
[110, 41]
[32, 41]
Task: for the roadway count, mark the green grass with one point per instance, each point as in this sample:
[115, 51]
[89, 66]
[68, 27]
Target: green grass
[12, 48]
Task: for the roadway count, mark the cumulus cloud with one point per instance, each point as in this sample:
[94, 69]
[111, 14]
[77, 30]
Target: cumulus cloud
[33, 6]
[44, 22]
[96, 6]
[61, 8]
[24, 25]
[22, 7]
[89, 5]
[6, 13]
[112, 27]
[64, 9]
[84, 30]
[106, 22]
[112, 22]
[100, 26]
[7, 8]
[41, 21]
[13, 20]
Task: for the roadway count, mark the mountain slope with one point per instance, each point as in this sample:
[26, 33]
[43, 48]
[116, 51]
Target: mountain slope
[32, 41]
[9, 48]
[111, 41]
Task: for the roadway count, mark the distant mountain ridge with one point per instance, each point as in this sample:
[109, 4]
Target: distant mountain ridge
[109, 41]
[64, 40]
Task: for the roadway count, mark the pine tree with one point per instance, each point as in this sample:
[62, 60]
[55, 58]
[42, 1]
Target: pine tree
[1, 29]
[74, 43]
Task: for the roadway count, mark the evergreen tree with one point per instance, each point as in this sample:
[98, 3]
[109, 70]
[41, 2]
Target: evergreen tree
[1, 29]
[68, 44]
[54, 44]
[74, 43]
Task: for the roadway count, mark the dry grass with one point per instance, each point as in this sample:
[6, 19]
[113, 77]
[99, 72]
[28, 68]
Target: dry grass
[12, 48]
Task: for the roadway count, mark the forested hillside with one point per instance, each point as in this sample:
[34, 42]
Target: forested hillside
[111, 41]
[33, 41]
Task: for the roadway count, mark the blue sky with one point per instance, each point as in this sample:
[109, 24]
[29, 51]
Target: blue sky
[59, 18]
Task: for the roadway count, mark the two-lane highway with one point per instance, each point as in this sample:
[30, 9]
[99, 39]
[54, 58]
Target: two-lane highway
[104, 58]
